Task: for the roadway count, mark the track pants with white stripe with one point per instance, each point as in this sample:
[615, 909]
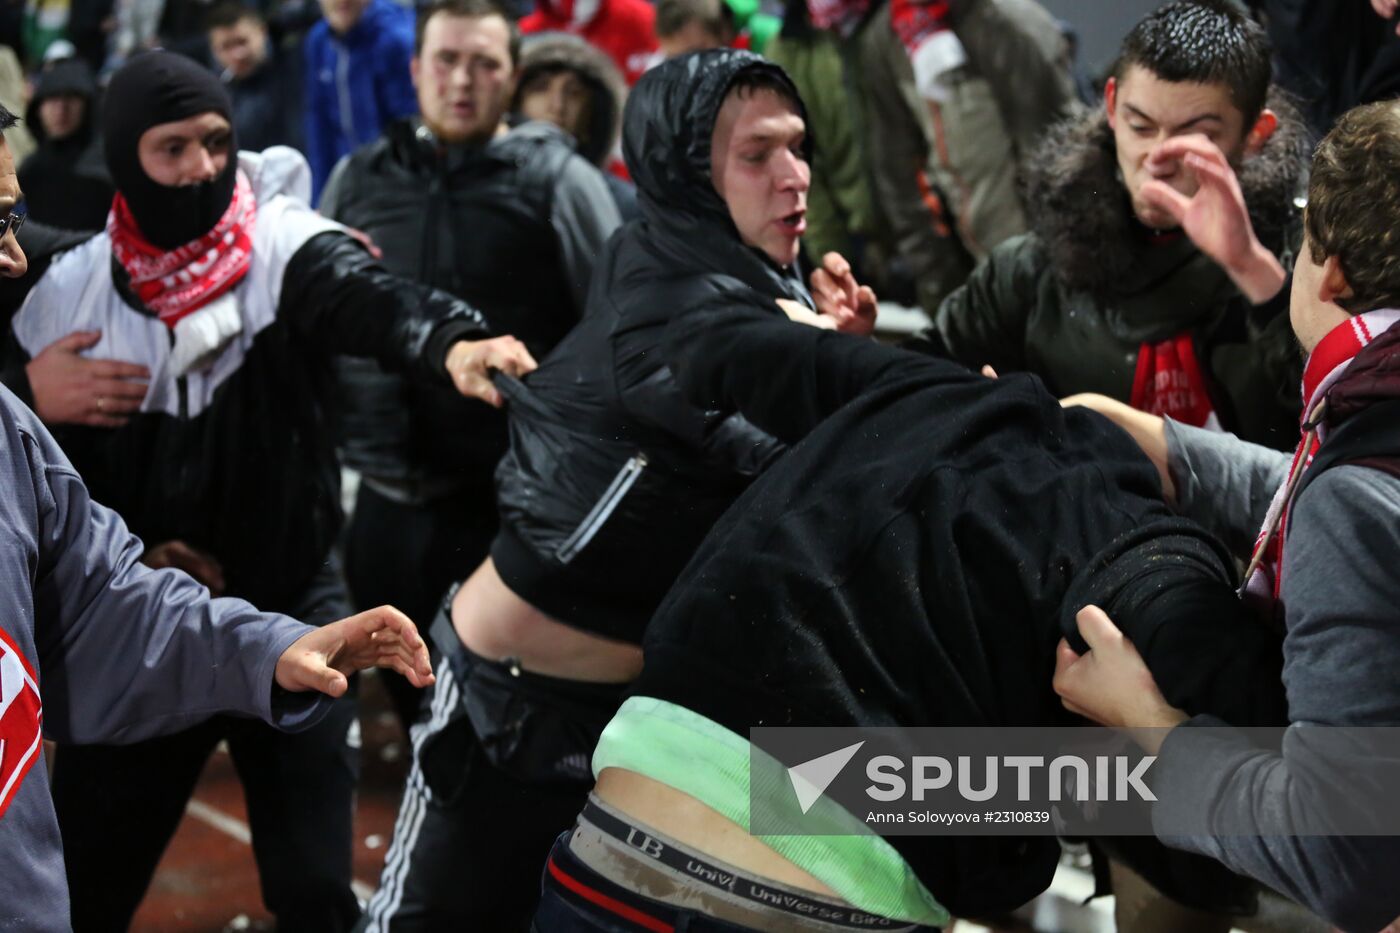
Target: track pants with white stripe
[500, 768]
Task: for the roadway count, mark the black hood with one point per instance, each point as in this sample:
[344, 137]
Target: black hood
[1080, 210]
[666, 131]
[69, 76]
[150, 89]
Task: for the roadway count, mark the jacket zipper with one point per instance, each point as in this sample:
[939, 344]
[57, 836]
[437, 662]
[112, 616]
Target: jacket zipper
[597, 516]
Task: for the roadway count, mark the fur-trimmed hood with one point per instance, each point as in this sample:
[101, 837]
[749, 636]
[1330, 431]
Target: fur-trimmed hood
[554, 52]
[1080, 211]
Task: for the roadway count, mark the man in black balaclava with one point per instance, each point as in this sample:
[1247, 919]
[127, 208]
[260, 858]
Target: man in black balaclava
[227, 295]
[65, 180]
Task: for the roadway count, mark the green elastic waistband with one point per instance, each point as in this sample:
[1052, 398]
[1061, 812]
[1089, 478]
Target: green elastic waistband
[699, 757]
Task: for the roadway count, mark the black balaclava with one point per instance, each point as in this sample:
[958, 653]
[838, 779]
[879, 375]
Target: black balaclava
[151, 89]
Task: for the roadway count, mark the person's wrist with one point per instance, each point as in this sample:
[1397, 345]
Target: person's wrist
[1150, 730]
[1258, 274]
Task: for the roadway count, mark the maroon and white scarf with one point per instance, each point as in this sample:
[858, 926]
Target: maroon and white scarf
[1325, 367]
[176, 283]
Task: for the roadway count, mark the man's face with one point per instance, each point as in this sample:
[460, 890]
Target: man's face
[1144, 111]
[240, 48]
[185, 152]
[692, 37]
[12, 261]
[464, 76]
[1312, 309]
[342, 15]
[758, 169]
[560, 98]
[60, 116]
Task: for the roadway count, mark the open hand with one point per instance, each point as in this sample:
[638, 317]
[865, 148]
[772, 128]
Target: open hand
[471, 362]
[1215, 217]
[69, 388]
[837, 295]
[322, 659]
[203, 567]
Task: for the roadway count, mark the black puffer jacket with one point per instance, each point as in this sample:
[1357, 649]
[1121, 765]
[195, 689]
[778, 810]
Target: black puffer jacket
[612, 478]
[484, 223]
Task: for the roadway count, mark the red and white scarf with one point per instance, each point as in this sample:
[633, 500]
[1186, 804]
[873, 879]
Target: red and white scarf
[1326, 365]
[176, 283]
[934, 50]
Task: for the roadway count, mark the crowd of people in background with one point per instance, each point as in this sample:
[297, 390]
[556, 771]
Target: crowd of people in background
[447, 247]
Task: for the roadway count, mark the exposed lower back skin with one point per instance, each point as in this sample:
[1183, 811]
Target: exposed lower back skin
[691, 823]
[494, 622]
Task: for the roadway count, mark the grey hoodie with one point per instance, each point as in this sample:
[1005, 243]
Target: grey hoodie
[1341, 655]
[117, 651]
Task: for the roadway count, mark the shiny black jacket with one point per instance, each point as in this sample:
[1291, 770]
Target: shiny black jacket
[613, 478]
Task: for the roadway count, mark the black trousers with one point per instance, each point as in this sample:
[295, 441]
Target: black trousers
[119, 805]
[406, 556]
[500, 769]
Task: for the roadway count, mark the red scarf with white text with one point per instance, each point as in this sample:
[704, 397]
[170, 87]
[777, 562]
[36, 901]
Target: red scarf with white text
[176, 283]
[1169, 382]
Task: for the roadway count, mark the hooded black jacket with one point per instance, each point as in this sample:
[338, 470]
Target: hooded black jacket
[612, 478]
[915, 557]
[65, 181]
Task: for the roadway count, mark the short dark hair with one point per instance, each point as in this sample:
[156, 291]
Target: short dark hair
[1203, 42]
[753, 79]
[230, 13]
[673, 15]
[1354, 185]
[471, 9]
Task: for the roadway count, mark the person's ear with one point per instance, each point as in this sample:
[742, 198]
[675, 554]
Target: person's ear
[1261, 132]
[1110, 101]
[415, 66]
[1334, 282]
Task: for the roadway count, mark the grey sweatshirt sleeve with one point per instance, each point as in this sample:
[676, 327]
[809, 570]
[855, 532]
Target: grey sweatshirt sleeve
[1222, 482]
[126, 652]
[1340, 657]
[583, 215]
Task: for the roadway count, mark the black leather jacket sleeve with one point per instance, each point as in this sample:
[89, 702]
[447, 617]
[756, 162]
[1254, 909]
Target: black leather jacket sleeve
[337, 294]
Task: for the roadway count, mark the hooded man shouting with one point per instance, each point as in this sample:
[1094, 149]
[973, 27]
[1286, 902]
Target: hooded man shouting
[227, 295]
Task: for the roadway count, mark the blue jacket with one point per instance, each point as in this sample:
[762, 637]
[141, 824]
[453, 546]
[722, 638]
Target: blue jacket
[356, 84]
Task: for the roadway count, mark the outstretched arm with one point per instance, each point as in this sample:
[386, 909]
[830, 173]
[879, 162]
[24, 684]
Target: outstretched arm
[126, 652]
[347, 302]
[782, 376]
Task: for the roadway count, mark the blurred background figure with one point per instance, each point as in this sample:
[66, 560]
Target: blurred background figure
[65, 181]
[263, 80]
[565, 81]
[695, 25]
[357, 79]
[624, 29]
